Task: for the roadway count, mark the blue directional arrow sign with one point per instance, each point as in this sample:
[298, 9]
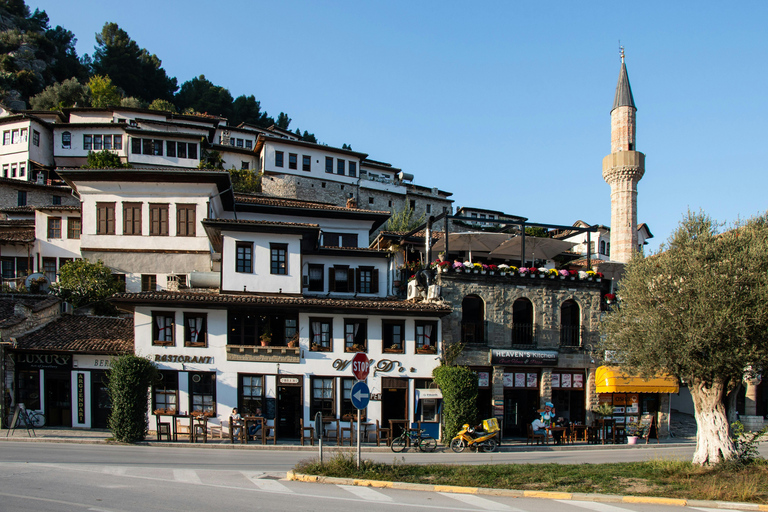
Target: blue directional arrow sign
[360, 395]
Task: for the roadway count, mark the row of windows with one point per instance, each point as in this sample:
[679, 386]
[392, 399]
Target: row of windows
[278, 258]
[238, 143]
[293, 161]
[17, 136]
[158, 219]
[74, 227]
[341, 166]
[343, 279]
[195, 329]
[172, 148]
[15, 170]
[355, 334]
[97, 142]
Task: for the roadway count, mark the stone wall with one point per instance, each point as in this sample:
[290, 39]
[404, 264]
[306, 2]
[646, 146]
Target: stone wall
[37, 195]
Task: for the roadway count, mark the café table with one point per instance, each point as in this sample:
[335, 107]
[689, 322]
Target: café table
[558, 434]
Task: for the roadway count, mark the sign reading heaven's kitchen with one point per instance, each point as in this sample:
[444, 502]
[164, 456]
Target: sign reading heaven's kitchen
[524, 357]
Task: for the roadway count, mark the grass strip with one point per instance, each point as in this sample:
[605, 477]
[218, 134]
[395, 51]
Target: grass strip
[664, 478]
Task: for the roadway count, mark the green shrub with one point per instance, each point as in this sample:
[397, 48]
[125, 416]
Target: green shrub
[459, 387]
[129, 379]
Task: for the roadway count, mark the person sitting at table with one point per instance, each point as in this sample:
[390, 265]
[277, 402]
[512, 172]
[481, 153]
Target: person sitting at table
[234, 422]
[255, 429]
[539, 427]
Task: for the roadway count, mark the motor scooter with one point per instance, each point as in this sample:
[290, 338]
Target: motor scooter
[475, 439]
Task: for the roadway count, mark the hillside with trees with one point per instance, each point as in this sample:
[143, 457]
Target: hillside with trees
[40, 69]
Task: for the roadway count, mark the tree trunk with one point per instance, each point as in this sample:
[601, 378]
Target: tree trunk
[713, 441]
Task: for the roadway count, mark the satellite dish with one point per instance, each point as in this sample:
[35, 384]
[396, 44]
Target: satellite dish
[41, 280]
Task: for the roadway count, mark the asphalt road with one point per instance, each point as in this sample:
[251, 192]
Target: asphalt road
[68, 477]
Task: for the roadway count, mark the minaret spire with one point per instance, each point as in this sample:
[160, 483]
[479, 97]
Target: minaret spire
[623, 169]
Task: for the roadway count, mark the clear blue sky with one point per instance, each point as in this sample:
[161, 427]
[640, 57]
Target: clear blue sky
[505, 104]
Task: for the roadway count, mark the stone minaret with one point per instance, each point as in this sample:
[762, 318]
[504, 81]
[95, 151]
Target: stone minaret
[622, 169]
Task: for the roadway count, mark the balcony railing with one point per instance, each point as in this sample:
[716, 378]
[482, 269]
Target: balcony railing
[570, 336]
[523, 334]
[265, 354]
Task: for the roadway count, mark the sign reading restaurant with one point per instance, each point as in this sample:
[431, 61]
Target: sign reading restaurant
[524, 357]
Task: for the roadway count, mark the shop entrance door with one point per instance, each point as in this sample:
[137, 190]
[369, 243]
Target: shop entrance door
[288, 410]
[520, 408]
[394, 402]
[101, 405]
[58, 399]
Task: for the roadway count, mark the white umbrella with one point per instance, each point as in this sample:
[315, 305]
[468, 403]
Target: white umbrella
[477, 241]
[544, 248]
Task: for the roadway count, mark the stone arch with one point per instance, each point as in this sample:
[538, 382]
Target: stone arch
[522, 322]
[472, 319]
[570, 324]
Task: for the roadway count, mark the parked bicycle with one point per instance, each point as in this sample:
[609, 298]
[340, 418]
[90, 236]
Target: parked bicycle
[418, 438]
[33, 418]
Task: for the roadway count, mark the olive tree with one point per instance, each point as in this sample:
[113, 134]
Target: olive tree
[696, 310]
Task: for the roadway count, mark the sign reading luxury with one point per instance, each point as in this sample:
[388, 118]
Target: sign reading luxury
[524, 357]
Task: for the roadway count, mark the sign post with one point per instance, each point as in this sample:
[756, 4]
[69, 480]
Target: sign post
[360, 394]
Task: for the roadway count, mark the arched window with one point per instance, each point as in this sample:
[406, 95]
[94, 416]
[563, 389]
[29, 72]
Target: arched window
[602, 246]
[522, 322]
[570, 331]
[66, 140]
[472, 320]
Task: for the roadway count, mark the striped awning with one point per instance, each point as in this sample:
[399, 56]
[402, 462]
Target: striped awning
[613, 380]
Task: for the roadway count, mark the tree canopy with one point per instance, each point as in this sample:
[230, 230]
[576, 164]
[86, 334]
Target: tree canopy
[136, 71]
[69, 93]
[404, 220]
[103, 92]
[104, 159]
[83, 283]
[696, 310]
[201, 95]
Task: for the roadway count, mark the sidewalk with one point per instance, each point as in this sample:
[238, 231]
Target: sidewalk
[98, 436]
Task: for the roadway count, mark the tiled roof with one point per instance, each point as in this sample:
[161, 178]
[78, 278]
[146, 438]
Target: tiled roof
[34, 302]
[87, 334]
[295, 203]
[18, 209]
[246, 222]
[379, 305]
[59, 208]
[17, 223]
[18, 236]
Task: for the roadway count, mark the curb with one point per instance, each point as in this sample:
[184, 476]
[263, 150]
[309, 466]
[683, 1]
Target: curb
[512, 493]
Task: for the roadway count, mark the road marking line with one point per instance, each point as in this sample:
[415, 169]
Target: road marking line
[188, 476]
[114, 470]
[266, 484]
[595, 506]
[477, 501]
[366, 493]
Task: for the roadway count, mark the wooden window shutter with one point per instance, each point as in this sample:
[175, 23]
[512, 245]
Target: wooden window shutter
[331, 279]
[357, 277]
[351, 280]
[375, 280]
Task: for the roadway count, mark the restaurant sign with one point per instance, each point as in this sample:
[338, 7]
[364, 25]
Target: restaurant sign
[524, 357]
[165, 358]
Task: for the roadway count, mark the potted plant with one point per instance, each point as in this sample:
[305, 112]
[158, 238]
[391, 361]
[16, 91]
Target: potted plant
[266, 338]
[426, 349]
[603, 409]
[393, 349]
[294, 341]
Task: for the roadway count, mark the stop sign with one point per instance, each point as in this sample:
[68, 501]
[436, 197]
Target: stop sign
[360, 366]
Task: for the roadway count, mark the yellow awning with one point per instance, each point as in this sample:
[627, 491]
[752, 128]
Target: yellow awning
[613, 380]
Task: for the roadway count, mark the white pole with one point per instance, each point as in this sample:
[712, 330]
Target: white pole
[358, 439]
